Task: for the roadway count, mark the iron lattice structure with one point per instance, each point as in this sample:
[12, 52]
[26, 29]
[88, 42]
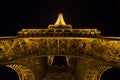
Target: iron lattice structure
[88, 54]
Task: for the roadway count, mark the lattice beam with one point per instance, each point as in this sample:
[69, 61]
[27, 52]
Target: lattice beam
[108, 50]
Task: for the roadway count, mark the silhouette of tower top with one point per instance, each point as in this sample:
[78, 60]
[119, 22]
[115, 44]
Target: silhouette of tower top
[60, 20]
[60, 23]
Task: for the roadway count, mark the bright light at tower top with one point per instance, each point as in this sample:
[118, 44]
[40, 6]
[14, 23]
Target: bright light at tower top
[60, 23]
[60, 20]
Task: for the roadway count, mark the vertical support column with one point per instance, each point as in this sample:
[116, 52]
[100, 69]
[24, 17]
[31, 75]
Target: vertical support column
[58, 45]
[50, 60]
[81, 68]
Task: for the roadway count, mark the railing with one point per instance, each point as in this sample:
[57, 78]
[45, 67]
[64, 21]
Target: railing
[59, 33]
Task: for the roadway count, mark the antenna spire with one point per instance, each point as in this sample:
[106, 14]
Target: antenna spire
[60, 20]
[60, 23]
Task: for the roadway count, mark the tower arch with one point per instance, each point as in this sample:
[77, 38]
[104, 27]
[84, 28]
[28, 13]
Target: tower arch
[23, 72]
[112, 73]
[7, 73]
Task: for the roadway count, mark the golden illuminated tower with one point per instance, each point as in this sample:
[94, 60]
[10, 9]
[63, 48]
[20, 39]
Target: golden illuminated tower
[59, 53]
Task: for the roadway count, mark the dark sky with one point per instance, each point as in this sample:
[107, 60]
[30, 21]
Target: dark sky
[101, 14]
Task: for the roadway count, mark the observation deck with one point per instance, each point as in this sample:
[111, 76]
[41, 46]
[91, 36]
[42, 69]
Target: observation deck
[59, 29]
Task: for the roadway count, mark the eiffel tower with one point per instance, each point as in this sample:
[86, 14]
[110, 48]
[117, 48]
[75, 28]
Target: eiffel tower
[59, 53]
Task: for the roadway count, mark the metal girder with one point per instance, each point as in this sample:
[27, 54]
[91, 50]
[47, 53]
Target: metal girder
[105, 49]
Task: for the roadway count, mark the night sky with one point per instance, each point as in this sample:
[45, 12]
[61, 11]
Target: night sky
[101, 14]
